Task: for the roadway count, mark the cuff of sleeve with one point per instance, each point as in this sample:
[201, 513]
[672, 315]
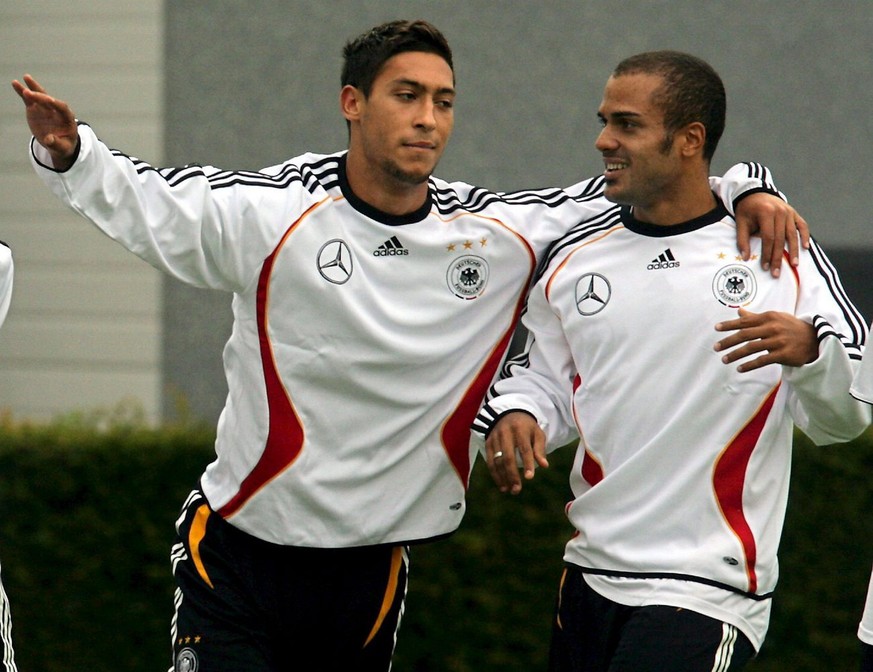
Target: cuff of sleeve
[757, 190]
[43, 157]
[823, 365]
[491, 412]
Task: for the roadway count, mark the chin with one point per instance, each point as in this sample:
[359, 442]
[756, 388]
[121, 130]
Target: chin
[612, 194]
[413, 177]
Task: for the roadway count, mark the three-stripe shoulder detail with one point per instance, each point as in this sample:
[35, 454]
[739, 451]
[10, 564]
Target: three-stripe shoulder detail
[760, 172]
[321, 173]
[449, 201]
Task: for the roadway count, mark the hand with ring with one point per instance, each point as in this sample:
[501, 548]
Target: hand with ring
[516, 441]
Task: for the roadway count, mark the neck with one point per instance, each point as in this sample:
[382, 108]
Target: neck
[681, 202]
[382, 190]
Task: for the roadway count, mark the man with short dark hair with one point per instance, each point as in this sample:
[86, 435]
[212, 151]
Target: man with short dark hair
[862, 389]
[681, 474]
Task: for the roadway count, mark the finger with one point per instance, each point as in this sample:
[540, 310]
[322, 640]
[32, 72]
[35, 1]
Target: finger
[757, 363]
[744, 351]
[743, 239]
[27, 94]
[493, 458]
[765, 233]
[538, 439]
[540, 452]
[505, 465]
[496, 475]
[803, 229]
[528, 460]
[792, 240]
[733, 341]
[730, 325]
[776, 252]
[747, 319]
[32, 84]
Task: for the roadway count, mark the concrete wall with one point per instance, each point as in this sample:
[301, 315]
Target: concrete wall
[83, 332]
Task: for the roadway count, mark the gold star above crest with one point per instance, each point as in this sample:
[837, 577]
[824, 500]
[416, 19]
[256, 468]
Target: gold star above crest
[721, 255]
[468, 244]
[483, 242]
[450, 247]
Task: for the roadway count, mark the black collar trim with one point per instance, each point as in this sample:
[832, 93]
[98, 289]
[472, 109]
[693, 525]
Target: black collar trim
[374, 213]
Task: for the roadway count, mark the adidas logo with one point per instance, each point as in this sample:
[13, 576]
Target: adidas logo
[663, 260]
[390, 248]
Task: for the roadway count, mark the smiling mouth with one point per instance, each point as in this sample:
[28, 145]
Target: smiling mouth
[613, 166]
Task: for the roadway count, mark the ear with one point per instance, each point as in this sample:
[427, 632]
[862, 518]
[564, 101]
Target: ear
[694, 138]
[351, 102]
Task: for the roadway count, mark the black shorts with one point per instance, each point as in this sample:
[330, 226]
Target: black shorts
[594, 634]
[866, 658]
[246, 604]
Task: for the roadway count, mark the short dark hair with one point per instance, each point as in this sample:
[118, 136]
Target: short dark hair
[691, 91]
[364, 56]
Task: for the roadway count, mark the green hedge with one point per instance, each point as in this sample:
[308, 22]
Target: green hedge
[87, 522]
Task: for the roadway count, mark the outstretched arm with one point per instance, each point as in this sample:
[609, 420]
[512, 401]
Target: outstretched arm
[51, 121]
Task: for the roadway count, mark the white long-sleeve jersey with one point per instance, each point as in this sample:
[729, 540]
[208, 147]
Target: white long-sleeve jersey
[6, 279]
[681, 476]
[862, 385]
[865, 627]
[862, 388]
[362, 343]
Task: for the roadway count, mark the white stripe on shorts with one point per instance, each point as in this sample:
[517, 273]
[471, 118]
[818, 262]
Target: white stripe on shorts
[725, 651]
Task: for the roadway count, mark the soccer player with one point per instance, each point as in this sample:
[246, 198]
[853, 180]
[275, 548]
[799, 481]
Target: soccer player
[862, 389]
[681, 473]
[7, 653]
[865, 631]
[373, 304]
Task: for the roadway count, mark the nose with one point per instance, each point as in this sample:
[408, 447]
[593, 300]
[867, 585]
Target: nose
[604, 140]
[425, 118]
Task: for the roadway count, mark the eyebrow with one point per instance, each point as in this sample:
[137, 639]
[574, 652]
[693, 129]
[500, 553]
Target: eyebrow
[421, 87]
[619, 115]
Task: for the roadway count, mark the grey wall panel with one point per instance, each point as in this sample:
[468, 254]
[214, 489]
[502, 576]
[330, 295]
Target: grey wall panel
[250, 83]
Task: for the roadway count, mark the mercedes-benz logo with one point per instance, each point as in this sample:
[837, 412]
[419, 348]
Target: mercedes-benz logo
[335, 261]
[592, 293]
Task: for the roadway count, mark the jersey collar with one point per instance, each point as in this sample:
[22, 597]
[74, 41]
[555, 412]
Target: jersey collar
[379, 215]
[718, 213]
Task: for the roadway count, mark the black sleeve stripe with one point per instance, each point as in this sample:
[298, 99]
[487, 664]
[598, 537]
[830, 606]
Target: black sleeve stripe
[319, 174]
[448, 201]
[852, 316]
[760, 172]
